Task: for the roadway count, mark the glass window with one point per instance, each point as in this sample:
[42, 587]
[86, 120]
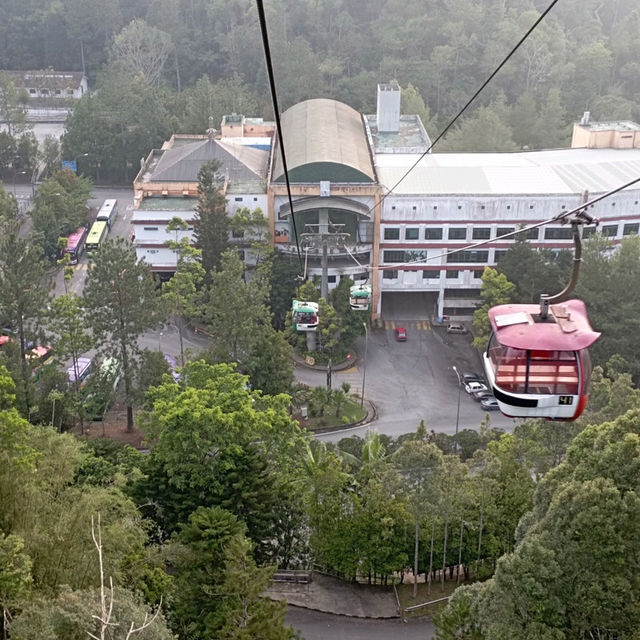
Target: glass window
[392, 233]
[390, 274]
[468, 256]
[458, 233]
[241, 254]
[499, 254]
[558, 233]
[430, 275]
[393, 256]
[412, 233]
[588, 231]
[481, 233]
[238, 199]
[503, 231]
[477, 274]
[150, 228]
[433, 234]
[452, 274]
[630, 228]
[610, 230]
[529, 234]
[235, 233]
[331, 278]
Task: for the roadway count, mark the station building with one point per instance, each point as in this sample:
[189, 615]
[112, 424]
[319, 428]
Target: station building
[372, 204]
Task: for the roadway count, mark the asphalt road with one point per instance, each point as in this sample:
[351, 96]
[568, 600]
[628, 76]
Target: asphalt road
[412, 380]
[315, 625]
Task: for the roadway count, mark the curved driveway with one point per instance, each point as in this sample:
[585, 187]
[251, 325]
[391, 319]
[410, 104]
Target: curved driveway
[412, 380]
[315, 625]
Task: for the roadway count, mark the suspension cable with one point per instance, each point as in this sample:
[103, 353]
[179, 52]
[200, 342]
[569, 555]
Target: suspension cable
[274, 99]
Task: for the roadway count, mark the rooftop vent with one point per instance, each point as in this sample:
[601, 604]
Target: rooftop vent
[388, 112]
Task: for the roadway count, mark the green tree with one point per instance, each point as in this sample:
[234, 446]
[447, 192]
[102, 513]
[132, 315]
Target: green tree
[212, 224]
[60, 208]
[182, 293]
[144, 49]
[116, 125]
[243, 613]
[534, 272]
[236, 312]
[12, 110]
[50, 155]
[241, 450]
[22, 279]
[66, 320]
[496, 290]
[217, 585]
[122, 303]
[207, 102]
[484, 131]
[15, 577]
[418, 461]
[269, 364]
[8, 206]
[72, 615]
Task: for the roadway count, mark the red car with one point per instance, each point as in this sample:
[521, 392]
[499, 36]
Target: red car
[401, 334]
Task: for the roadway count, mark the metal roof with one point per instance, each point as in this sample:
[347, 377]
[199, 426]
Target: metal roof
[324, 140]
[570, 331]
[183, 163]
[561, 171]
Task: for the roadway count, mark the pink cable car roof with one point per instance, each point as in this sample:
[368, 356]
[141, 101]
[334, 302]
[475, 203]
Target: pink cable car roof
[514, 326]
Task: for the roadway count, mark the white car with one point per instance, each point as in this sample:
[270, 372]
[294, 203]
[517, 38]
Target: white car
[474, 387]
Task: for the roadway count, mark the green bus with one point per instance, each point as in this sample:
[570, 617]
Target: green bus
[97, 234]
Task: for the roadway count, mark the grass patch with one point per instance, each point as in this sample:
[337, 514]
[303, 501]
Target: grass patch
[350, 412]
[405, 594]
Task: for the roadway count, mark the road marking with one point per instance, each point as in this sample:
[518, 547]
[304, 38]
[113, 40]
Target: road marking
[393, 324]
[349, 370]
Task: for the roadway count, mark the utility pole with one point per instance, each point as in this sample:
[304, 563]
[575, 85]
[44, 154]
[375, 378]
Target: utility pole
[322, 236]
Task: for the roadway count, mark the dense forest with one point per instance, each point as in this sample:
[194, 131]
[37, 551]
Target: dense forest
[206, 57]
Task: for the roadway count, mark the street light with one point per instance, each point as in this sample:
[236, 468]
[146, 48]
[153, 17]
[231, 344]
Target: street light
[364, 366]
[458, 410]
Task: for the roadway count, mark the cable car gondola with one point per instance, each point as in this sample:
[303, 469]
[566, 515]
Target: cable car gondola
[540, 367]
[360, 297]
[537, 360]
[304, 315]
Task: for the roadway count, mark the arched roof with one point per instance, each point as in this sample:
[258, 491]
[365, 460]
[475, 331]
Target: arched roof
[324, 140]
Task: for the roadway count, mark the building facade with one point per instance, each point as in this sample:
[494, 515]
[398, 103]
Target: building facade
[372, 204]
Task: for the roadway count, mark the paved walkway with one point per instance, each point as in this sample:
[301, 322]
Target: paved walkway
[335, 596]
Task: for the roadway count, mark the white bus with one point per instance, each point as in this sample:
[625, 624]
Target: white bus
[108, 212]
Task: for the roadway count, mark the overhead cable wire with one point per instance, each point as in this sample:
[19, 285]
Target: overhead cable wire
[468, 103]
[276, 108]
[558, 218]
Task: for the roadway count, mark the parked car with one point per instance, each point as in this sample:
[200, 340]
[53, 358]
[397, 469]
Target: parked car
[401, 334]
[474, 386]
[489, 404]
[481, 395]
[470, 376]
[456, 327]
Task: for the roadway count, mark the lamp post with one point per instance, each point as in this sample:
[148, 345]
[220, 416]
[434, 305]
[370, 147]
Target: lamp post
[458, 409]
[364, 366]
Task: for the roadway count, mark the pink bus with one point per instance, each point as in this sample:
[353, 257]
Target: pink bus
[75, 244]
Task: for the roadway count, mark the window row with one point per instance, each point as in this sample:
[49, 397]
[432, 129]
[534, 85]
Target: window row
[484, 233]
[456, 233]
[390, 256]
[433, 274]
